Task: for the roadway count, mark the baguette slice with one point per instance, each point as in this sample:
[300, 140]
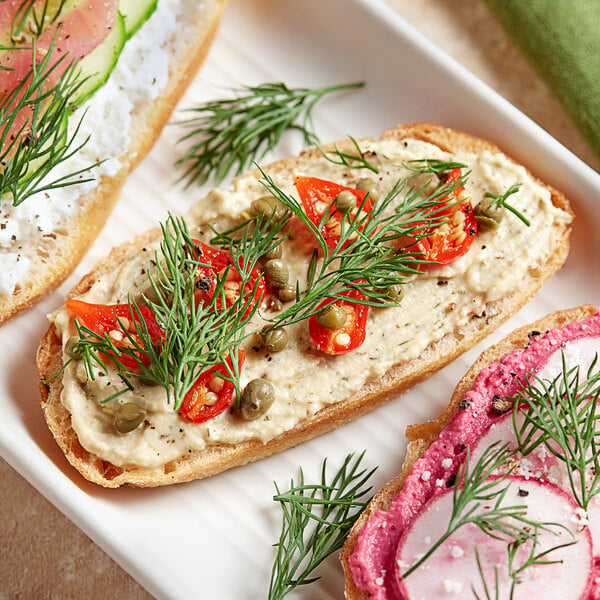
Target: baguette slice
[56, 256]
[421, 436]
[217, 458]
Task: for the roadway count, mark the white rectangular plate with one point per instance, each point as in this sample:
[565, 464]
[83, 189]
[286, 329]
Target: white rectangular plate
[213, 538]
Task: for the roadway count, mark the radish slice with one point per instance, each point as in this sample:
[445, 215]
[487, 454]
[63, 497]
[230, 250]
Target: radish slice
[452, 570]
[541, 463]
[579, 352]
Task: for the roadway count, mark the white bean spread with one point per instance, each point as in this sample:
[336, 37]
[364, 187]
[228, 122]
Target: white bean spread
[440, 301]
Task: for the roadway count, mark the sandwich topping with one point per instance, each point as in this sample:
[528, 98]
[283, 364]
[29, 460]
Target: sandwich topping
[37, 197]
[505, 500]
[294, 291]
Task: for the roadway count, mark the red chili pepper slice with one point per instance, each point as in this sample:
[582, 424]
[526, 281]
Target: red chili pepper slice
[218, 262]
[211, 394]
[351, 335]
[453, 238]
[318, 199]
[114, 320]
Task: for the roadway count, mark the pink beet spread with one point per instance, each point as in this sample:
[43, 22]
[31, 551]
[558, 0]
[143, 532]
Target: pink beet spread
[372, 562]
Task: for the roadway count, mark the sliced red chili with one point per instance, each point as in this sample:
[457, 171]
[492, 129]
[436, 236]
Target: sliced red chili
[453, 238]
[211, 393]
[220, 262]
[118, 322]
[347, 337]
[318, 199]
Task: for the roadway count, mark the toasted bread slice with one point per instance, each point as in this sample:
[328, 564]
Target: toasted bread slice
[401, 376]
[421, 436]
[53, 257]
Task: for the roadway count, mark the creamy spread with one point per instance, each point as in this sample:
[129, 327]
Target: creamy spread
[140, 74]
[441, 301]
[478, 425]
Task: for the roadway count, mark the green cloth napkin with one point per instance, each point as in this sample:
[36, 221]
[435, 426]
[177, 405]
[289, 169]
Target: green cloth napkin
[561, 38]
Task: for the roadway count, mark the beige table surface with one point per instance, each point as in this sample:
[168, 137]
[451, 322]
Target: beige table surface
[44, 556]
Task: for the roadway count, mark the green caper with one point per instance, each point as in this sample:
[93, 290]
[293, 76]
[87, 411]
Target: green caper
[274, 340]
[345, 200]
[128, 416]
[489, 214]
[486, 223]
[277, 273]
[395, 292]
[256, 399]
[332, 317]
[287, 293]
[277, 252]
[268, 206]
[152, 294]
[72, 349]
[146, 380]
[274, 304]
[367, 185]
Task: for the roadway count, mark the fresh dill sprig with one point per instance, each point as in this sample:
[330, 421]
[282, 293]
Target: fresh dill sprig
[533, 558]
[227, 135]
[195, 337]
[515, 571]
[561, 414]
[29, 151]
[373, 250]
[484, 582]
[480, 489]
[316, 521]
[501, 201]
[31, 19]
[432, 165]
[346, 159]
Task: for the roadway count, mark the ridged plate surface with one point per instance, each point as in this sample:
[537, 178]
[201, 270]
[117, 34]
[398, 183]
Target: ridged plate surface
[213, 538]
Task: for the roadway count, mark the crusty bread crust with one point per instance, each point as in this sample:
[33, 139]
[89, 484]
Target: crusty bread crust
[59, 255]
[215, 459]
[421, 436]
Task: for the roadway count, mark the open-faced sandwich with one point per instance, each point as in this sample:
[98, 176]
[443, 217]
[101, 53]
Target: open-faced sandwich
[85, 88]
[309, 294]
[498, 497]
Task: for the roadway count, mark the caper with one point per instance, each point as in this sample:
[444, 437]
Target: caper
[486, 223]
[128, 416]
[274, 340]
[488, 214]
[277, 252]
[395, 292]
[367, 185]
[72, 349]
[268, 206]
[274, 304]
[332, 317]
[146, 380]
[287, 293]
[152, 294]
[345, 200]
[256, 399]
[277, 273]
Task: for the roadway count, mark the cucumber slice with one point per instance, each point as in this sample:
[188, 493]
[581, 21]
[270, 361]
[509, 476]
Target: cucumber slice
[98, 65]
[135, 13]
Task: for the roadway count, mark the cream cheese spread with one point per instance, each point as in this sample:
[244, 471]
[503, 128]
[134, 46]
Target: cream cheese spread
[440, 301]
[139, 75]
